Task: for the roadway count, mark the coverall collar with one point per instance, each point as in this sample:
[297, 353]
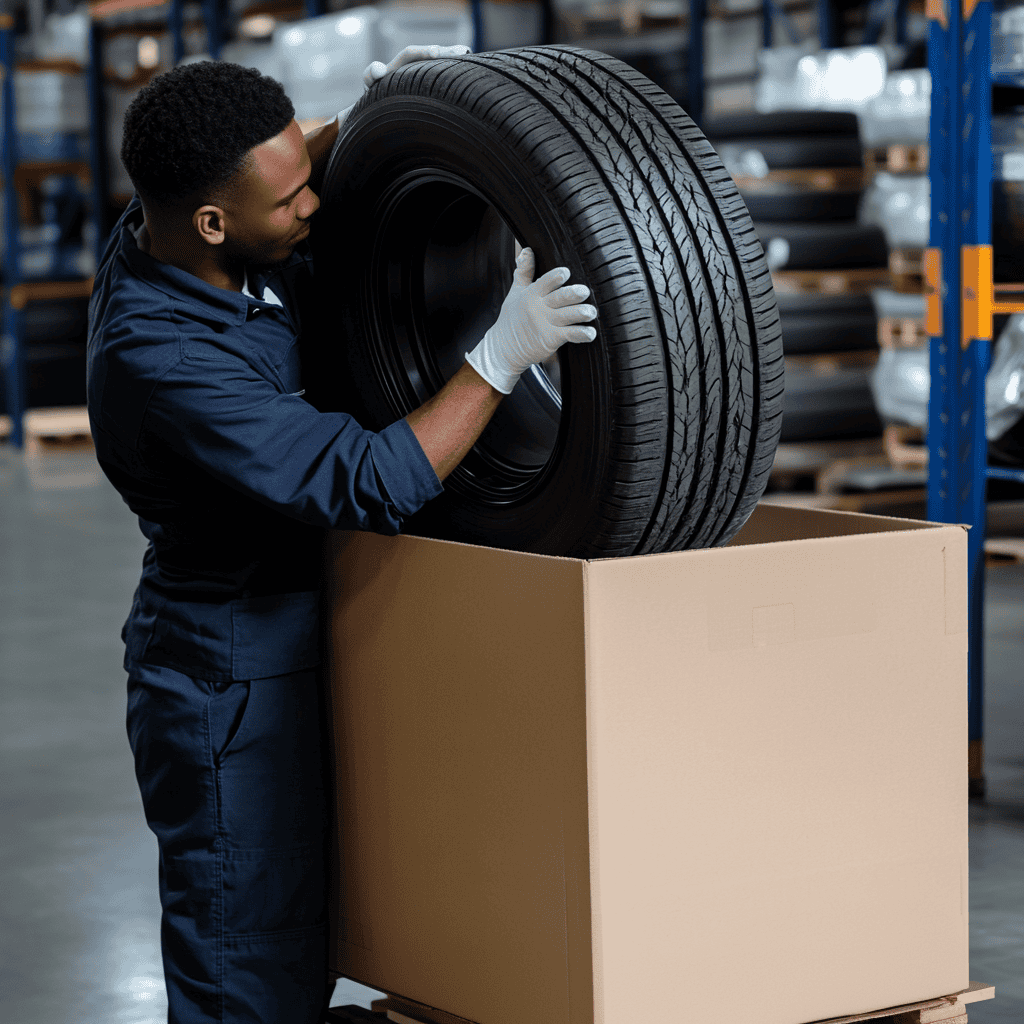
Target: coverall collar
[191, 294]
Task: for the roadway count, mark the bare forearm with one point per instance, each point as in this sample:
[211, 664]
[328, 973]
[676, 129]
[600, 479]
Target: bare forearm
[449, 424]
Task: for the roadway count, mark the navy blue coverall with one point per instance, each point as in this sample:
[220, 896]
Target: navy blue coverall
[196, 404]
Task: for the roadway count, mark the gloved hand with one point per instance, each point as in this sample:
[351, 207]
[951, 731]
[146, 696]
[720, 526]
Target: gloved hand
[410, 55]
[536, 319]
[376, 71]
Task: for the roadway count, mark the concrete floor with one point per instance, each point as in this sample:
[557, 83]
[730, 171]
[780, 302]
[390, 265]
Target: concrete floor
[79, 914]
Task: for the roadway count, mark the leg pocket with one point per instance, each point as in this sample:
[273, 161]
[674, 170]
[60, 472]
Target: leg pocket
[226, 715]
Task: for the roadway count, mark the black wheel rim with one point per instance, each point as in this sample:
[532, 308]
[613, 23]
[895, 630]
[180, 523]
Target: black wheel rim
[440, 267]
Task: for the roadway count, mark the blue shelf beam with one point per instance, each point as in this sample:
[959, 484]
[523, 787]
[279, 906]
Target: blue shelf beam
[827, 34]
[213, 15]
[12, 363]
[98, 164]
[959, 275]
[1006, 473]
[175, 23]
[477, 15]
[694, 58]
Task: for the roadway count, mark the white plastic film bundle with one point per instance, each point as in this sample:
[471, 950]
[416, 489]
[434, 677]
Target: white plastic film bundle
[900, 205]
[900, 112]
[1008, 40]
[900, 383]
[802, 78]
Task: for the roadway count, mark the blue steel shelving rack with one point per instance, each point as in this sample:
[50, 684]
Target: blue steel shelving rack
[18, 293]
[962, 300]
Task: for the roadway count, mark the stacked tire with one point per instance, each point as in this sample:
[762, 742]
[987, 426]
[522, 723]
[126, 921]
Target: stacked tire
[779, 161]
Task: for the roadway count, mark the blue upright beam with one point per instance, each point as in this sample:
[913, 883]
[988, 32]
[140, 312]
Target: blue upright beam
[175, 23]
[98, 164]
[695, 61]
[213, 16]
[12, 364]
[960, 169]
[827, 35]
[477, 14]
[547, 22]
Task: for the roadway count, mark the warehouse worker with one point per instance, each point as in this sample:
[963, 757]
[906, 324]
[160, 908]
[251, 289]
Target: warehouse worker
[196, 403]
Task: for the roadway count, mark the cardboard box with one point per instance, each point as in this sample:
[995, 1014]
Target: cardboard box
[710, 787]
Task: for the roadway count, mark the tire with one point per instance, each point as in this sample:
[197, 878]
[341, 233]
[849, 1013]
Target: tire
[660, 434]
[837, 245]
[792, 123]
[802, 206]
[779, 154]
[54, 375]
[1008, 231]
[828, 406]
[56, 320]
[820, 324]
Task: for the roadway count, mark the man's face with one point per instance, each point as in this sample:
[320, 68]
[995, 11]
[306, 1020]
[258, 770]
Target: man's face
[267, 215]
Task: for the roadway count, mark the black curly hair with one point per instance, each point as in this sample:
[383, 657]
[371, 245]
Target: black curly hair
[189, 132]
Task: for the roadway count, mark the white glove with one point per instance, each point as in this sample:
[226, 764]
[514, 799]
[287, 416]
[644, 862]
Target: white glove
[376, 71]
[536, 319]
[410, 55]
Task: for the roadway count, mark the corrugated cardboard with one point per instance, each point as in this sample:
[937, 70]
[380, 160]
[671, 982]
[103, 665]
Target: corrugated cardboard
[722, 785]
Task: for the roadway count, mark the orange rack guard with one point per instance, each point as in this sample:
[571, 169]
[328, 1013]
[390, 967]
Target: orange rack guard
[978, 294]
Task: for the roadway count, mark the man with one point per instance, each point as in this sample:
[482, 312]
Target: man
[196, 403]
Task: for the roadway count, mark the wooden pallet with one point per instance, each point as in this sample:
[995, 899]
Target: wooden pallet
[897, 159]
[55, 429]
[951, 1009]
[803, 179]
[906, 267]
[811, 458]
[1001, 551]
[904, 446]
[20, 295]
[861, 281]
[833, 362]
[901, 332]
[831, 469]
[625, 18]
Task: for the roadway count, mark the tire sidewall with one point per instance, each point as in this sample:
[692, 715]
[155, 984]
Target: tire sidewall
[385, 141]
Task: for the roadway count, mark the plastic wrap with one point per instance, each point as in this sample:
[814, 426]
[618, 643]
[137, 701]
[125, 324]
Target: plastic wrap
[900, 205]
[408, 24]
[64, 36]
[898, 305]
[51, 101]
[321, 60]
[1004, 385]
[900, 112]
[900, 383]
[802, 77]
[1008, 147]
[1008, 40]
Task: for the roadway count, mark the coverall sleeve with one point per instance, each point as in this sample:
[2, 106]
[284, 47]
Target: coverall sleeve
[321, 468]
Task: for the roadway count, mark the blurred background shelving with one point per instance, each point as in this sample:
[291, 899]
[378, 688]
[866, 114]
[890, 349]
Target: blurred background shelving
[819, 109]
